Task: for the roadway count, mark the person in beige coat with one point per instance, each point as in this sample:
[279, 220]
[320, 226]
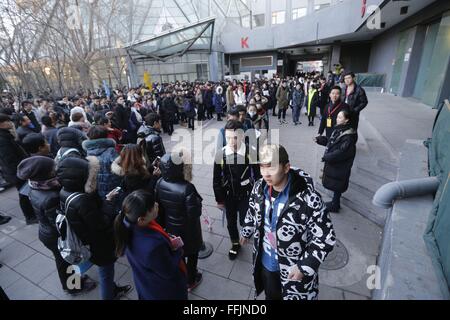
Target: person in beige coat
[283, 101]
[230, 97]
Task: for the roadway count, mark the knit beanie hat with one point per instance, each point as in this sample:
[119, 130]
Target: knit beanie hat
[36, 168]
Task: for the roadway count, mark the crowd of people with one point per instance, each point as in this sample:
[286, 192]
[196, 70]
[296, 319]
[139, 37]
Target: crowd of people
[92, 170]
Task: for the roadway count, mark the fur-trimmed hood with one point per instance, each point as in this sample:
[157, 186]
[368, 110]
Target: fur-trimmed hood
[79, 175]
[117, 169]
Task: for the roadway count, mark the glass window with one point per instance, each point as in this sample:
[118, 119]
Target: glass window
[278, 17]
[320, 4]
[258, 20]
[245, 21]
[202, 71]
[298, 13]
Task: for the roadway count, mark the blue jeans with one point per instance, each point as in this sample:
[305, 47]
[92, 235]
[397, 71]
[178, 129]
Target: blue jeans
[296, 113]
[107, 285]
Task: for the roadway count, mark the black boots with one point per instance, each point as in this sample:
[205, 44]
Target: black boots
[332, 207]
[234, 251]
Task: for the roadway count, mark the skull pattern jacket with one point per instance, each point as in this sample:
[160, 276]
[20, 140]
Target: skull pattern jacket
[304, 236]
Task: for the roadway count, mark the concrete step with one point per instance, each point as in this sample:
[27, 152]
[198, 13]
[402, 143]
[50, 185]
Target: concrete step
[359, 202]
[368, 181]
[377, 169]
[362, 204]
[376, 142]
[391, 167]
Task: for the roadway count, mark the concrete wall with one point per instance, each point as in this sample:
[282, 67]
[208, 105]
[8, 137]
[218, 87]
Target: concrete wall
[314, 26]
[382, 55]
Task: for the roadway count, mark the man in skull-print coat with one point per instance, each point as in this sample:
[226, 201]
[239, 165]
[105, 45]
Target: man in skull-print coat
[291, 228]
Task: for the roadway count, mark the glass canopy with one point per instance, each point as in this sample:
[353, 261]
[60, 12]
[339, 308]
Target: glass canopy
[174, 42]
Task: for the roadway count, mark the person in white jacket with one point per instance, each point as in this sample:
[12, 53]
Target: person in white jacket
[239, 96]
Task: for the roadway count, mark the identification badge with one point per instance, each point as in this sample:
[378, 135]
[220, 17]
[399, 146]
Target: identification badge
[272, 239]
[329, 123]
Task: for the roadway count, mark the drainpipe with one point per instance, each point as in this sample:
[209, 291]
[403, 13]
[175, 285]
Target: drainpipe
[390, 192]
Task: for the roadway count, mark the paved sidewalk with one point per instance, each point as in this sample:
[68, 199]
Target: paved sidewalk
[29, 272]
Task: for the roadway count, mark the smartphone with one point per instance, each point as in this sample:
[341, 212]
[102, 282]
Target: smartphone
[176, 242]
[156, 162]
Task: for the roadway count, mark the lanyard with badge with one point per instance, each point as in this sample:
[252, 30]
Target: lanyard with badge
[271, 236]
[330, 113]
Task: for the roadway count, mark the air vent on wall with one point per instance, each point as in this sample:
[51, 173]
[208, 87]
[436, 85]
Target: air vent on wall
[404, 10]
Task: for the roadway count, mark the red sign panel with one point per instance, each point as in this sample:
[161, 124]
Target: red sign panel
[363, 8]
[244, 43]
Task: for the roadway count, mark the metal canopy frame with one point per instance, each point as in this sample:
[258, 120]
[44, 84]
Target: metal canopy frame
[189, 41]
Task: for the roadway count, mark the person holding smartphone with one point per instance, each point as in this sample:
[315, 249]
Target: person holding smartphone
[134, 173]
[151, 140]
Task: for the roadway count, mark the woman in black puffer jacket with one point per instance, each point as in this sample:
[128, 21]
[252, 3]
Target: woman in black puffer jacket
[44, 197]
[90, 224]
[339, 156]
[180, 209]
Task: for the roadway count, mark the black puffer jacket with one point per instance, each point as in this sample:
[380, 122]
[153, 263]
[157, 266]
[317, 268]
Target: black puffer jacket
[91, 225]
[168, 109]
[11, 153]
[180, 204]
[70, 138]
[154, 146]
[339, 157]
[45, 203]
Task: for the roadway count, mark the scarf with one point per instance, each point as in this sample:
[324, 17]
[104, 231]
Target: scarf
[49, 184]
[153, 225]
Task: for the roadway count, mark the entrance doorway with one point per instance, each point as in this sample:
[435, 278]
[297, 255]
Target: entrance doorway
[310, 66]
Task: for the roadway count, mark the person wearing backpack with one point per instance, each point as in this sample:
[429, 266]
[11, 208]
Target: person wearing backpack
[70, 141]
[150, 131]
[44, 197]
[91, 225]
[233, 177]
[156, 259]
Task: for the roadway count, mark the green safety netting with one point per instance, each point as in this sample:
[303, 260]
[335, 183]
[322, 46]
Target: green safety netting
[437, 234]
[370, 79]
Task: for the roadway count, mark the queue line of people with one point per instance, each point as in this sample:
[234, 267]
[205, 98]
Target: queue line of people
[131, 191]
